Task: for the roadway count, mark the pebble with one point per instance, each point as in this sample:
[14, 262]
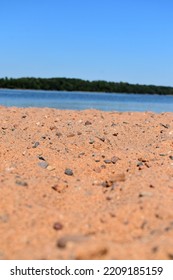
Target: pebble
[171, 157]
[148, 194]
[107, 161]
[71, 135]
[53, 127]
[165, 125]
[50, 168]
[21, 183]
[114, 159]
[43, 164]
[101, 138]
[41, 158]
[59, 134]
[88, 123]
[91, 141]
[57, 226]
[36, 144]
[68, 172]
[62, 242]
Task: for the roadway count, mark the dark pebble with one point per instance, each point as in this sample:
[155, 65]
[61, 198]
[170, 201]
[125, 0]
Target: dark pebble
[165, 125]
[41, 158]
[91, 141]
[43, 164]
[57, 226]
[171, 157]
[114, 159]
[68, 172]
[107, 161]
[113, 124]
[88, 123]
[102, 138]
[36, 144]
[53, 127]
[21, 183]
[59, 134]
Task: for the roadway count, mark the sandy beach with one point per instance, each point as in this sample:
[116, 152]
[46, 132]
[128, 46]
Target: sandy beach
[85, 184]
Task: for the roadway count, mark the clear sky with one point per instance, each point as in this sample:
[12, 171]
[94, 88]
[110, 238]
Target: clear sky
[113, 40]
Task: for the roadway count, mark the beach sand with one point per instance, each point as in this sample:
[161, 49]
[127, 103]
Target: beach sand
[85, 184]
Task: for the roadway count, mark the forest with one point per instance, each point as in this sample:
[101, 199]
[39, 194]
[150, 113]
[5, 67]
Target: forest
[72, 84]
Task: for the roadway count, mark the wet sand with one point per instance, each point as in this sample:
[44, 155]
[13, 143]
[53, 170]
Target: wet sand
[85, 184]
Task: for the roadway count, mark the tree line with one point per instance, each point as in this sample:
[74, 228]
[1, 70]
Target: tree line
[71, 84]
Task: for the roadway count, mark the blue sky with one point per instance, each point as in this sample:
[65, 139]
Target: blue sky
[113, 40]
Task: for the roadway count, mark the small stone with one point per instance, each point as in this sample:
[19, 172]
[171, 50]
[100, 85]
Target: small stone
[50, 168]
[68, 172]
[57, 226]
[101, 138]
[21, 183]
[115, 134]
[114, 159]
[171, 157]
[162, 155]
[36, 144]
[139, 163]
[53, 127]
[145, 194]
[64, 240]
[43, 164]
[107, 161]
[165, 125]
[41, 158]
[142, 159]
[59, 134]
[71, 135]
[88, 123]
[91, 141]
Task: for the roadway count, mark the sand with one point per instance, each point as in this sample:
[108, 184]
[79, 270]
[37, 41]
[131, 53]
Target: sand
[85, 184]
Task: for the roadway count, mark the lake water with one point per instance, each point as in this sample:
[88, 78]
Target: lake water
[86, 100]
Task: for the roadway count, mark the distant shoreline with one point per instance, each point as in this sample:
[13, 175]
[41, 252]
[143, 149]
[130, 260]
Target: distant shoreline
[71, 85]
[82, 91]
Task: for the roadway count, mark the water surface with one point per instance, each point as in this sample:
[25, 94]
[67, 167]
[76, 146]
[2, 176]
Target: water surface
[87, 100]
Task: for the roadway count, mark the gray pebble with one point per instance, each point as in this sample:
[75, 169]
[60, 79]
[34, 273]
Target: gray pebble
[36, 144]
[21, 183]
[43, 164]
[107, 161]
[68, 172]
